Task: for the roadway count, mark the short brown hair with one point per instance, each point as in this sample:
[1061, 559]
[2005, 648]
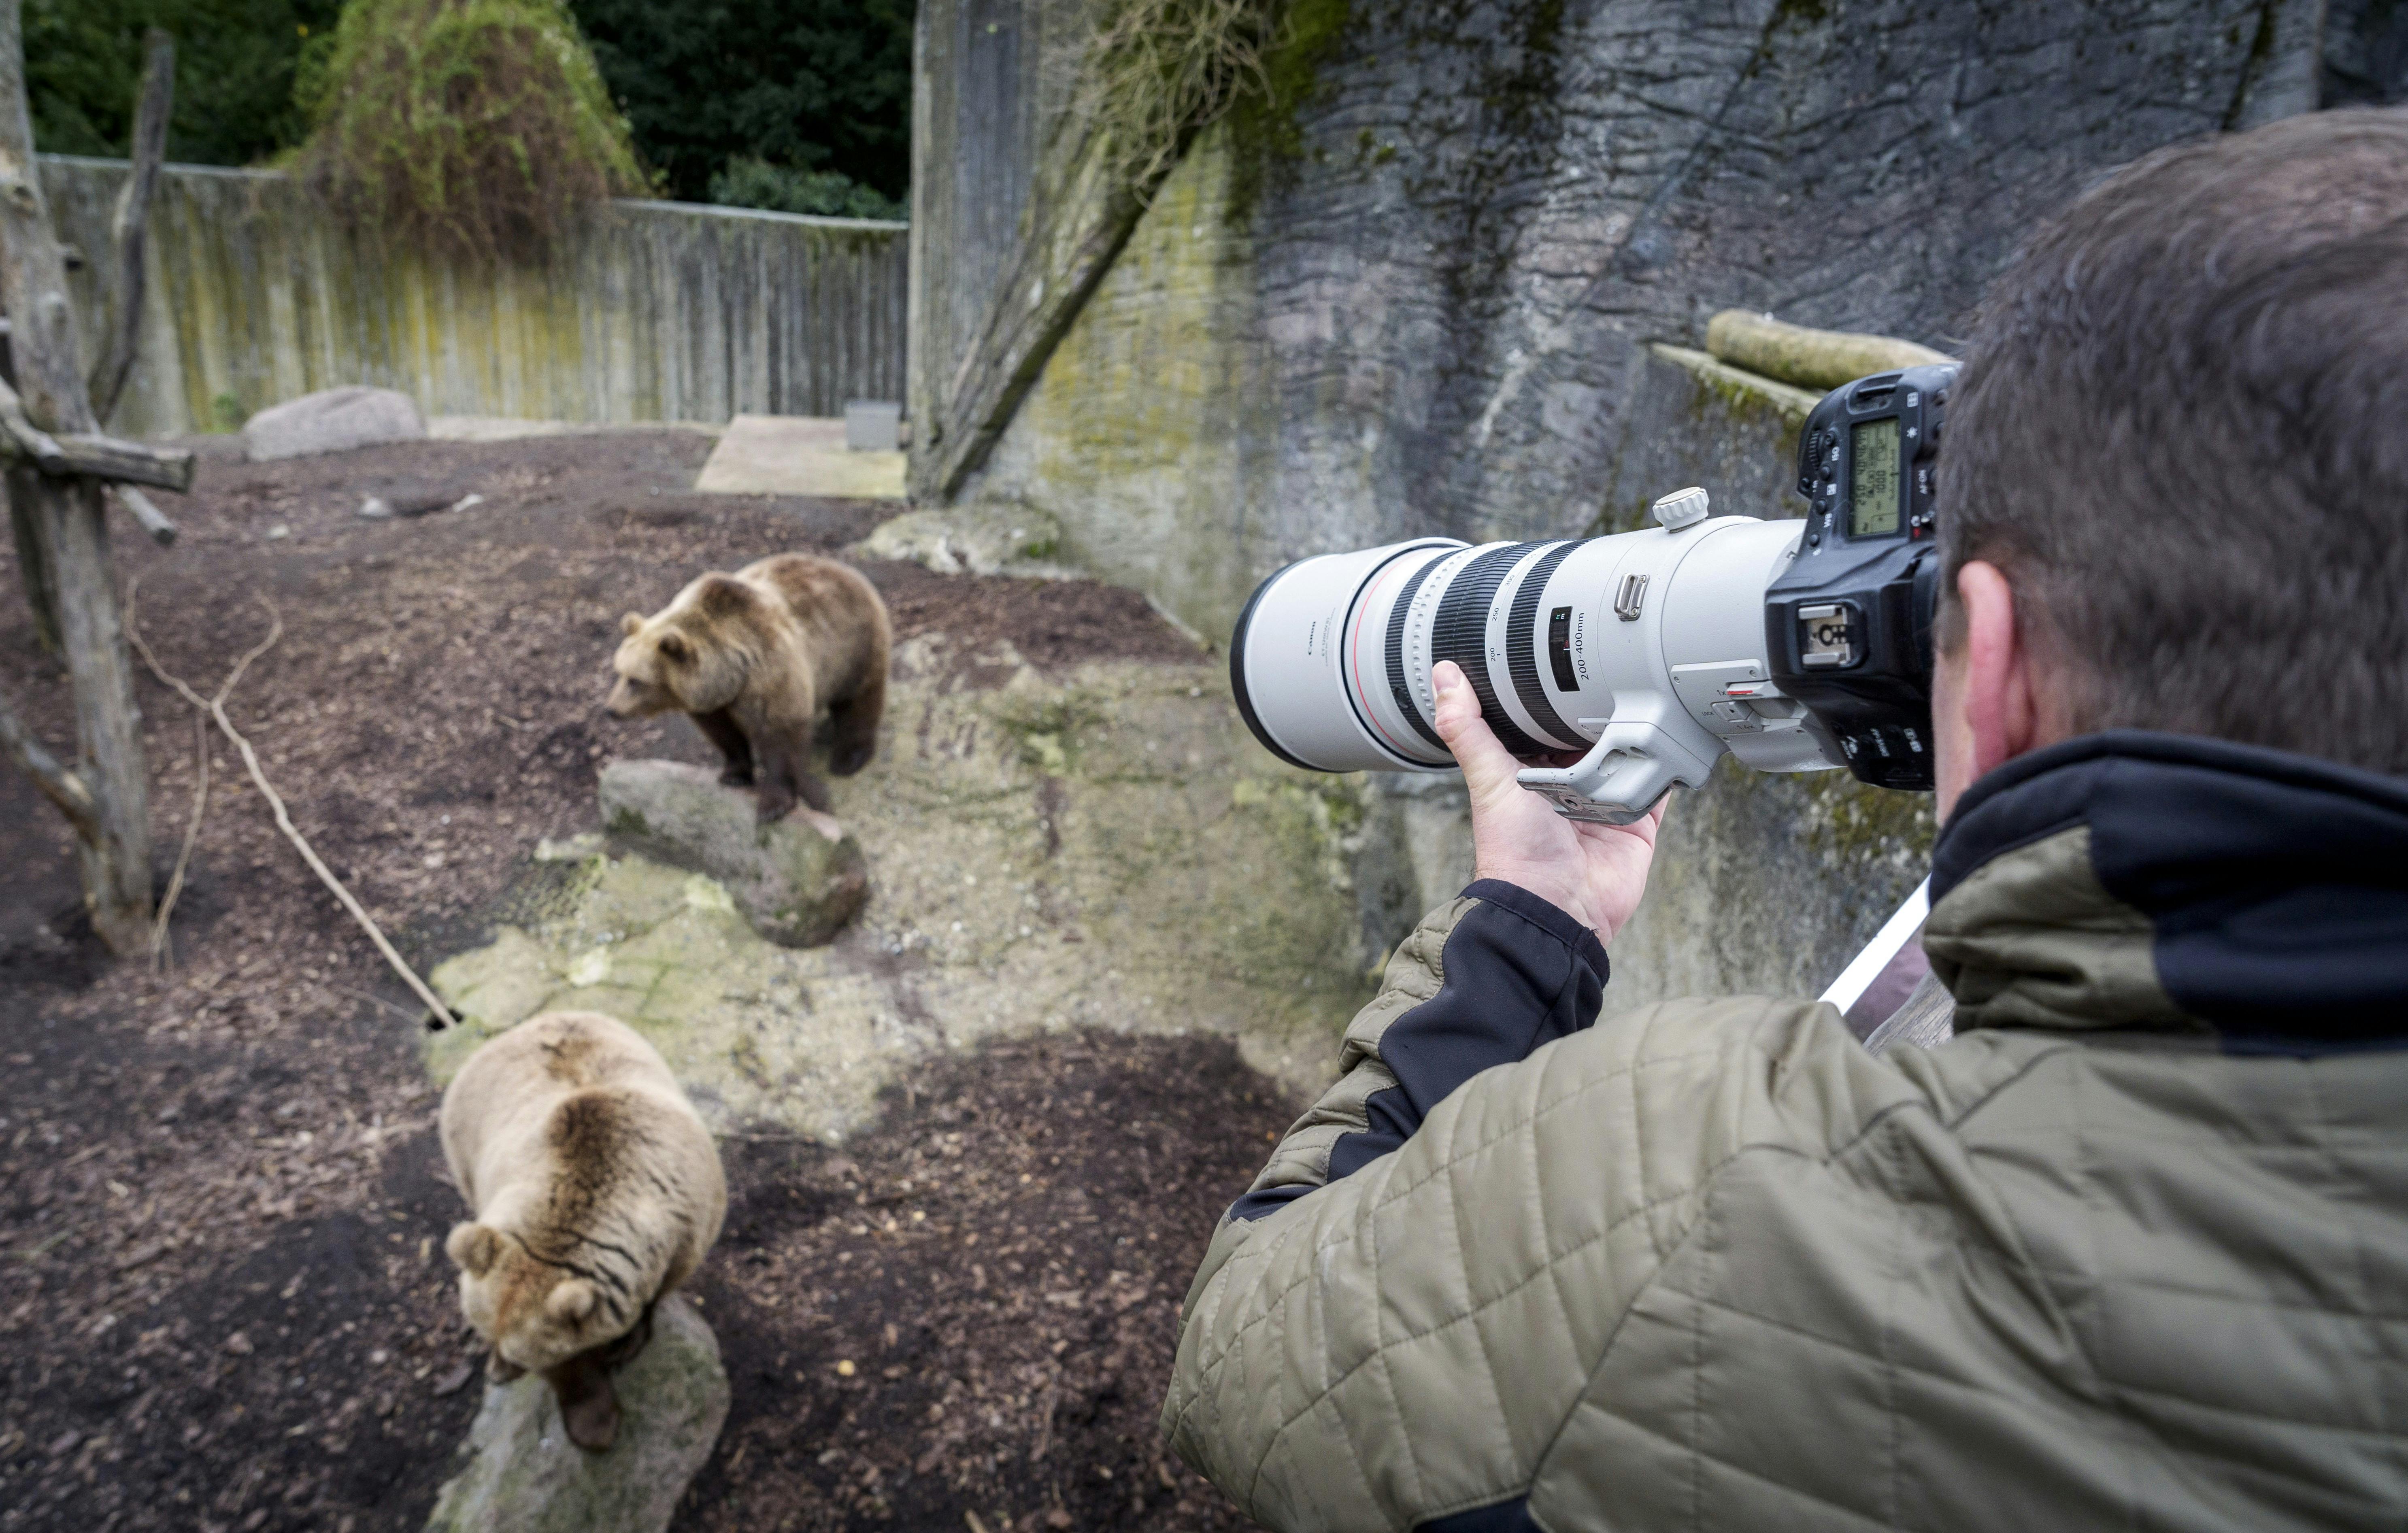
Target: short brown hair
[2183, 430]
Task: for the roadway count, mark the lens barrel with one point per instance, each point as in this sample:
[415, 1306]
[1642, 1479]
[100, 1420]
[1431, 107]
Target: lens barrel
[1660, 630]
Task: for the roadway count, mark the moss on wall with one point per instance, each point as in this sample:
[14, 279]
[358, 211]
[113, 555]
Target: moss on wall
[651, 311]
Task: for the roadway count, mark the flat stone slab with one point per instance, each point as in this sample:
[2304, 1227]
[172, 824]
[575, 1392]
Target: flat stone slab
[797, 455]
[797, 880]
[332, 420]
[523, 1475]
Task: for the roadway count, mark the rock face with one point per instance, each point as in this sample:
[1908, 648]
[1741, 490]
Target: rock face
[524, 1475]
[1098, 846]
[797, 880]
[1418, 296]
[332, 420]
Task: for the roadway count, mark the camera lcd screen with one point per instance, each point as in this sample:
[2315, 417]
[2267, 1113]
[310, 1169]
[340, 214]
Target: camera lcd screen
[1873, 478]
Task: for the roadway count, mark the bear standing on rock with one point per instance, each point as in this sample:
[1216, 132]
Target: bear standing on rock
[754, 657]
[595, 1190]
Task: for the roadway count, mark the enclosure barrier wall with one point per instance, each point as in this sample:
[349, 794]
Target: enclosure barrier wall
[651, 311]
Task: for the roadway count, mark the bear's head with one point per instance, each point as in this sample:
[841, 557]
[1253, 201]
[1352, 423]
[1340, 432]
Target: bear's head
[533, 1314]
[692, 656]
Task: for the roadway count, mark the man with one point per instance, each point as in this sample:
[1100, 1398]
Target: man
[2131, 1251]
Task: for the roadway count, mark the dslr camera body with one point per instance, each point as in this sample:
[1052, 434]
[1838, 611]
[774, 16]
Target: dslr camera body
[1794, 645]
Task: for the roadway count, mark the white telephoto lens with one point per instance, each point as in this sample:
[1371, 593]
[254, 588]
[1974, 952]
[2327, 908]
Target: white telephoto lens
[1642, 653]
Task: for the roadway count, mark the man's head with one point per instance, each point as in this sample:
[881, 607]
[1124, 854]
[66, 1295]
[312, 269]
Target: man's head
[2176, 465]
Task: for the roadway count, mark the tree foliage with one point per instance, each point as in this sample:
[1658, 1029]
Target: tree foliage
[474, 129]
[235, 62]
[798, 85]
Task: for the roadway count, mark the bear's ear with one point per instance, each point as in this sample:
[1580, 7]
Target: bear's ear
[723, 595]
[630, 624]
[570, 1301]
[474, 1247]
[673, 647]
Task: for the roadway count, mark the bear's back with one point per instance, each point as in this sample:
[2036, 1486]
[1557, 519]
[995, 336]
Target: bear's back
[498, 1118]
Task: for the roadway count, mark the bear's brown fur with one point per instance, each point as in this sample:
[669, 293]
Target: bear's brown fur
[595, 1190]
[754, 657]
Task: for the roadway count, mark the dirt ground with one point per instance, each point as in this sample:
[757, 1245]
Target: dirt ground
[223, 1303]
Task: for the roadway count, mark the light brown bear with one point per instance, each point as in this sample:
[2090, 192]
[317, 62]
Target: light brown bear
[595, 1190]
[754, 657]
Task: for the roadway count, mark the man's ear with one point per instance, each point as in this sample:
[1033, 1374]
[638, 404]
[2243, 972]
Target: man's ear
[570, 1301]
[632, 621]
[474, 1247]
[1989, 694]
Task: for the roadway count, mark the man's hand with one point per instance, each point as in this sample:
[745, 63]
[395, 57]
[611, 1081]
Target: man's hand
[1597, 872]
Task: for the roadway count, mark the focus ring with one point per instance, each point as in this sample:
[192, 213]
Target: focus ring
[1460, 634]
[1522, 655]
[1397, 683]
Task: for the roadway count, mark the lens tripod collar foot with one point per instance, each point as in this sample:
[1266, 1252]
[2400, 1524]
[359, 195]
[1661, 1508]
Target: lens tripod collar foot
[1633, 764]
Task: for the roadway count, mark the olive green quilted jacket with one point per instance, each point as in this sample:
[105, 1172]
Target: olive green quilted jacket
[2129, 1252]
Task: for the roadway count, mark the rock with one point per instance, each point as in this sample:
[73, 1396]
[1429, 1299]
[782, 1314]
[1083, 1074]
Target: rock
[872, 425]
[332, 420]
[797, 880]
[996, 539]
[524, 1476]
[412, 503]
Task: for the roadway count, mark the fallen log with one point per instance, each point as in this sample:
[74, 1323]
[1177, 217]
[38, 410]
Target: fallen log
[1811, 359]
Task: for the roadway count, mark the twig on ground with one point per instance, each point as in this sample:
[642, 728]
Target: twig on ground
[161, 960]
[216, 709]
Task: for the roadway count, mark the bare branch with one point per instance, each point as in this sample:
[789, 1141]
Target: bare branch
[216, 708]
[125, 463]
[59, 784]
[153, 520]
[21, 438]
[89, 452]
[130, 228]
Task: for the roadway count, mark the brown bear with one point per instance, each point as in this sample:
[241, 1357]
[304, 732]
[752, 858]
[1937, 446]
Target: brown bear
[594, 1189]
[754, 657]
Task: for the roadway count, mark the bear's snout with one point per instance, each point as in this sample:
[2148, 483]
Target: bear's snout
[625, 703]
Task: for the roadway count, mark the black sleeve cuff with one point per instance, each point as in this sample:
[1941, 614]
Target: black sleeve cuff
[1547, 916]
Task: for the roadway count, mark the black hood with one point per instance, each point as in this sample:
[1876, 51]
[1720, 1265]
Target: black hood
[2276, 886]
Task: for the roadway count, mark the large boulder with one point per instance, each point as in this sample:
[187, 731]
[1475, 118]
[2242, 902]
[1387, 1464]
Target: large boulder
[332, 420]
[797, 880]
[522, 1474]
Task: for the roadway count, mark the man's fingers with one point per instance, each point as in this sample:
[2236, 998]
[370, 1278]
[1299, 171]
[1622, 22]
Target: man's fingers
[1485, 763]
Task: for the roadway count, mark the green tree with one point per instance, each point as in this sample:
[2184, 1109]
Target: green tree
[797, 85]
[235, 62]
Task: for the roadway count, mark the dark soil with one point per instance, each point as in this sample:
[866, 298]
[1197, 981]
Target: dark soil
[223, 1304]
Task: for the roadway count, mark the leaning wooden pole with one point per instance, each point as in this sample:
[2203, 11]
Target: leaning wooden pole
[129, 230]
[68, 511]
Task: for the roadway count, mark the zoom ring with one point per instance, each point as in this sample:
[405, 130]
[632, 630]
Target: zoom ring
[1522, 655]
[1398, 688]
[1460, 634]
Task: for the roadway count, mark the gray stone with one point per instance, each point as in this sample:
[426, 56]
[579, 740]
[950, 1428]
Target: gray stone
[797, 880]
[989, 540]
[522, 1474]
[332, 420]
[872, 425]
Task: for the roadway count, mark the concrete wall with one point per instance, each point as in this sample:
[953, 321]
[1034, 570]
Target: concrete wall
[655, 311]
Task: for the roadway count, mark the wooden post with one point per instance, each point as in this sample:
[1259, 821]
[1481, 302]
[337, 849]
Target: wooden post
[68, 512]
[130, 229]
